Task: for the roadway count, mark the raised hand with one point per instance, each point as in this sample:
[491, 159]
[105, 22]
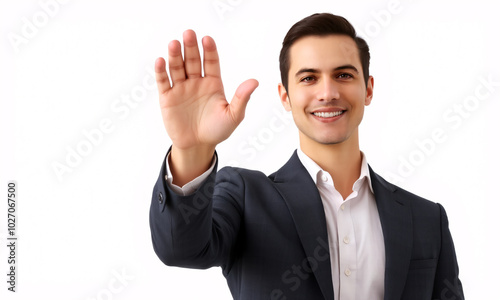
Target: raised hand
[195, 111]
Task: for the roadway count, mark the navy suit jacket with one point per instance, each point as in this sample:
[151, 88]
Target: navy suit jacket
[269, 236]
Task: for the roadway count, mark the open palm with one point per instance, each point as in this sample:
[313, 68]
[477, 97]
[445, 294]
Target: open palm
[194, 107]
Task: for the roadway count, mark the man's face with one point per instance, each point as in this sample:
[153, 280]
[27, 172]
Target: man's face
[326, 90]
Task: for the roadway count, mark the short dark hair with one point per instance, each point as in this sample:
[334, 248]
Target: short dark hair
[321, 25]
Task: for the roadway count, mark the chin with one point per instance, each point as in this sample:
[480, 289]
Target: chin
[331, 140]
[326, 138]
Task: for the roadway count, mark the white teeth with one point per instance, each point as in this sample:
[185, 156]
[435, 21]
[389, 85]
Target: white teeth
[328, 114]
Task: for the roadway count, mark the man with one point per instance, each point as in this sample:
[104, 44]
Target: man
[324, 226]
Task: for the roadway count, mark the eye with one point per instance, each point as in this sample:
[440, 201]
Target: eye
[307, 79]
[345, 76]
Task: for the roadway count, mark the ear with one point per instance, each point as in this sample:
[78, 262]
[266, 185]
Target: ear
[369, 91]
[285, 101]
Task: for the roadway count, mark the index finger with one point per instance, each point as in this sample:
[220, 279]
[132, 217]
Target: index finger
[162, 81]
[211, 63]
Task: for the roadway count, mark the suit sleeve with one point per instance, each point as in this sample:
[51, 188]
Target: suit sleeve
[447, 285]
[199, 230]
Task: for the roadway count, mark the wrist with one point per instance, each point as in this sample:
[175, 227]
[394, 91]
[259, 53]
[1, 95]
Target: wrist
[187, 164]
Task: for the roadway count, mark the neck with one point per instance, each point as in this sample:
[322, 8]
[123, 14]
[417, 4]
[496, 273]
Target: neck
[342, 161]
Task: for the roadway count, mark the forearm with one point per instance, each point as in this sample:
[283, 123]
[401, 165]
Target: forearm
[179, 224]
[186, 231]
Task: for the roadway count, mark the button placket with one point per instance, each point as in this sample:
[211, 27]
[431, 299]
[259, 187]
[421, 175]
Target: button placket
[347, 249]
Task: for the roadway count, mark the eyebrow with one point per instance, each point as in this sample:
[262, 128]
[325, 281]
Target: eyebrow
[311, 70]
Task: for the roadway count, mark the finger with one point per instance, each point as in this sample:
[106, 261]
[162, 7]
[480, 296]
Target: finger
[240, 99]
[192, 61]
[162, 81]
[175, 62]
[211, 63]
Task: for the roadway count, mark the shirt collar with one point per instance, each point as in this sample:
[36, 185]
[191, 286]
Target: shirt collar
[313, 169]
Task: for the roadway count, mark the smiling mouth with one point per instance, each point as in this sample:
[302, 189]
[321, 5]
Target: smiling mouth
[328, 114]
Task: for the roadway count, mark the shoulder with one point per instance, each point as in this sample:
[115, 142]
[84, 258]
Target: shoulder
[427, 217]
[421, 206]
[417, 203]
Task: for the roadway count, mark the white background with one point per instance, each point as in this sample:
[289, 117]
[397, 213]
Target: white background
[79, 229]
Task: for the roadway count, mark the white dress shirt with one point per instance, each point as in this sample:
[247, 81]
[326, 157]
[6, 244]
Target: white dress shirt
[355, 235]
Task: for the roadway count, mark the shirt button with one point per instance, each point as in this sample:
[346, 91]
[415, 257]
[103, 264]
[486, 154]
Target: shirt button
[346, 240]
[342, 207]
[324, 178]
[347, 272]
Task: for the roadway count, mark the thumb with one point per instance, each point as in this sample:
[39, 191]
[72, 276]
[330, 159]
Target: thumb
[241, 97]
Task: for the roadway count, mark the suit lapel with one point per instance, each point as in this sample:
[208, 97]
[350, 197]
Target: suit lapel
[396, 220]
[304, 202]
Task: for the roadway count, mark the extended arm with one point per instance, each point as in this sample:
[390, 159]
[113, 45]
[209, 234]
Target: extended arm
[201, 229]
[198, 230]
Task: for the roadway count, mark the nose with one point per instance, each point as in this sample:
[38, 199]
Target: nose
[328, 90]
